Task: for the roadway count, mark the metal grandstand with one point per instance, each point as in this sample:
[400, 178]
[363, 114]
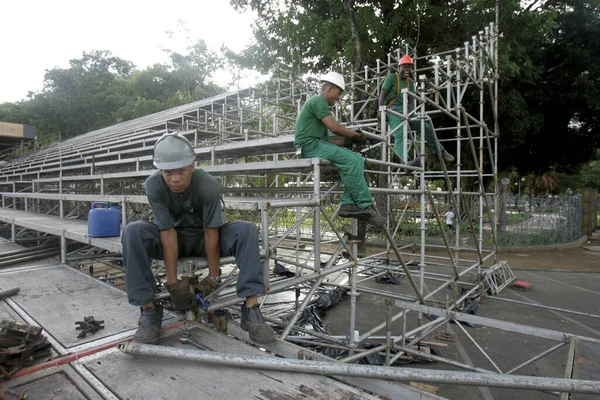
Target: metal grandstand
[245, 138]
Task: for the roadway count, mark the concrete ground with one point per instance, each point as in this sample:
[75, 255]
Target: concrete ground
[566, 279]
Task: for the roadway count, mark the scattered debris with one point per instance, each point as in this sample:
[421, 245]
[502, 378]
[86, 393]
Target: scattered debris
[88, 325]
[446, 336]
[402, 359]
[20, 345]
[280, 270]
[426, 388]
[389, 277]
[330, 298]
[9, 394]
[219, 319]
[522, 285]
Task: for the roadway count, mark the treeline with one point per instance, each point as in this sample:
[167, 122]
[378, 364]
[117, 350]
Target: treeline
[99, 90]
[549, 93]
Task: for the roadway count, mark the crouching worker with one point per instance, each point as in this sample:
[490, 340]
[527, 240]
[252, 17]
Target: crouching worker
[312, 124]
[188, 222]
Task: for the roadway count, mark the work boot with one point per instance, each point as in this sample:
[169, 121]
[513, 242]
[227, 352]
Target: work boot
[374, 218]
[252, 321]
[352, 211]
[149, 323]
[414, 162]
[447, 156]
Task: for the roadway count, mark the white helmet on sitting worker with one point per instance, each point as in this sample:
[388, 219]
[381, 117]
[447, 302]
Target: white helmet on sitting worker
[334, 78]
[173, 151]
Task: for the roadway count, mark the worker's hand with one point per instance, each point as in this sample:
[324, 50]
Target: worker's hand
[361, 138]
[181, 297]
[206, 286]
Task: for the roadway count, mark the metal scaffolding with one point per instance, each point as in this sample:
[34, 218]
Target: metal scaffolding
[245, 138]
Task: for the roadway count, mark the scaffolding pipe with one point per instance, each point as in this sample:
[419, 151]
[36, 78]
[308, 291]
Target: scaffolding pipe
[365, 371]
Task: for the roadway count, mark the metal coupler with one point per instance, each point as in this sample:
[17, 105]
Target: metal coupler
[204, 304]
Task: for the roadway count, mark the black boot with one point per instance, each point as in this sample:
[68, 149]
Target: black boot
[149, 323]
[252, 321]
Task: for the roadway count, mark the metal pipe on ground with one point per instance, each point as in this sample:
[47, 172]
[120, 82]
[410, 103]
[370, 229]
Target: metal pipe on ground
[365, 371]
[9, 292]
[26, 250]
[29, 253]
[29, 258]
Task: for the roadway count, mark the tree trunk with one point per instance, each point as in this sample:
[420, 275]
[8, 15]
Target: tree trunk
[359, 56]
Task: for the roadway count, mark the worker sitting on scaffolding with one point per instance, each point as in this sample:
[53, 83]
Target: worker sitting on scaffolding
[188, 222]
[311, 136]
[391, 96]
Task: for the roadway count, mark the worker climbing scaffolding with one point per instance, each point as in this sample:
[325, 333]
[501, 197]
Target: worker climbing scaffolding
[391, 96]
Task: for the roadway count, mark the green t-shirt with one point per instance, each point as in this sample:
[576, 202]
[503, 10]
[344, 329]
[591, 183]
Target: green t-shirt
[391, 85]
[308, 124]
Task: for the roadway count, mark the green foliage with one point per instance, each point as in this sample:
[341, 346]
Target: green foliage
[549, 59]
[590, 175]
[315, 35]
[99, 90]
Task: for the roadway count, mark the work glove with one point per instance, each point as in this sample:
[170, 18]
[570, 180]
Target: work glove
[181, 297]
[361, 138]
[206, 286]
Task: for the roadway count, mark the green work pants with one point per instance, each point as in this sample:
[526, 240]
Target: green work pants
[415, 125]
[351, 167]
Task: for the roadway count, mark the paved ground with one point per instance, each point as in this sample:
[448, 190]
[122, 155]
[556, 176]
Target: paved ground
[566, 279]
[584, 258]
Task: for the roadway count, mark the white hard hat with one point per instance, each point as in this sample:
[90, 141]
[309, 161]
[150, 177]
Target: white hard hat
[335, 78]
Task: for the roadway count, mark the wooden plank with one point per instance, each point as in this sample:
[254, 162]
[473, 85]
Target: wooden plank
[425, 387]
[11, 130]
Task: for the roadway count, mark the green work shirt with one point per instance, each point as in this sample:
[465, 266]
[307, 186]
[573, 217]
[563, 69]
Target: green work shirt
[391, 85]
[197, 208]
[309, 126]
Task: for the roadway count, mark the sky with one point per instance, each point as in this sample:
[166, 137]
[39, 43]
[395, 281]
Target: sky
[44, 34]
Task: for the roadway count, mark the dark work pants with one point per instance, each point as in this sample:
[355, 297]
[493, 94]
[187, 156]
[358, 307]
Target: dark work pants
[141, 244]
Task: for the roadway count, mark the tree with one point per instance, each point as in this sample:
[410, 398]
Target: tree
[99, 90]
[82, 97]
[549, 59]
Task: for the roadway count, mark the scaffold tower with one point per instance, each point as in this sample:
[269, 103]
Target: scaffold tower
[434, 275]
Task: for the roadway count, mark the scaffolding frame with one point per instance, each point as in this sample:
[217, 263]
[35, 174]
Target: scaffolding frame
[295, 207]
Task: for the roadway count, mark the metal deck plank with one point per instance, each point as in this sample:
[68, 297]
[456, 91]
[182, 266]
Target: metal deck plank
[143, 378]
[60, 383]
[57, 296]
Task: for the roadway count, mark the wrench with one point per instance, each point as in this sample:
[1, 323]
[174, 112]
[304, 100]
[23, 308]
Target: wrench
[185, 339]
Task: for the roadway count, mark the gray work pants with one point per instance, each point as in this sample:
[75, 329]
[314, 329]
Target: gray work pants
[141, 244]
